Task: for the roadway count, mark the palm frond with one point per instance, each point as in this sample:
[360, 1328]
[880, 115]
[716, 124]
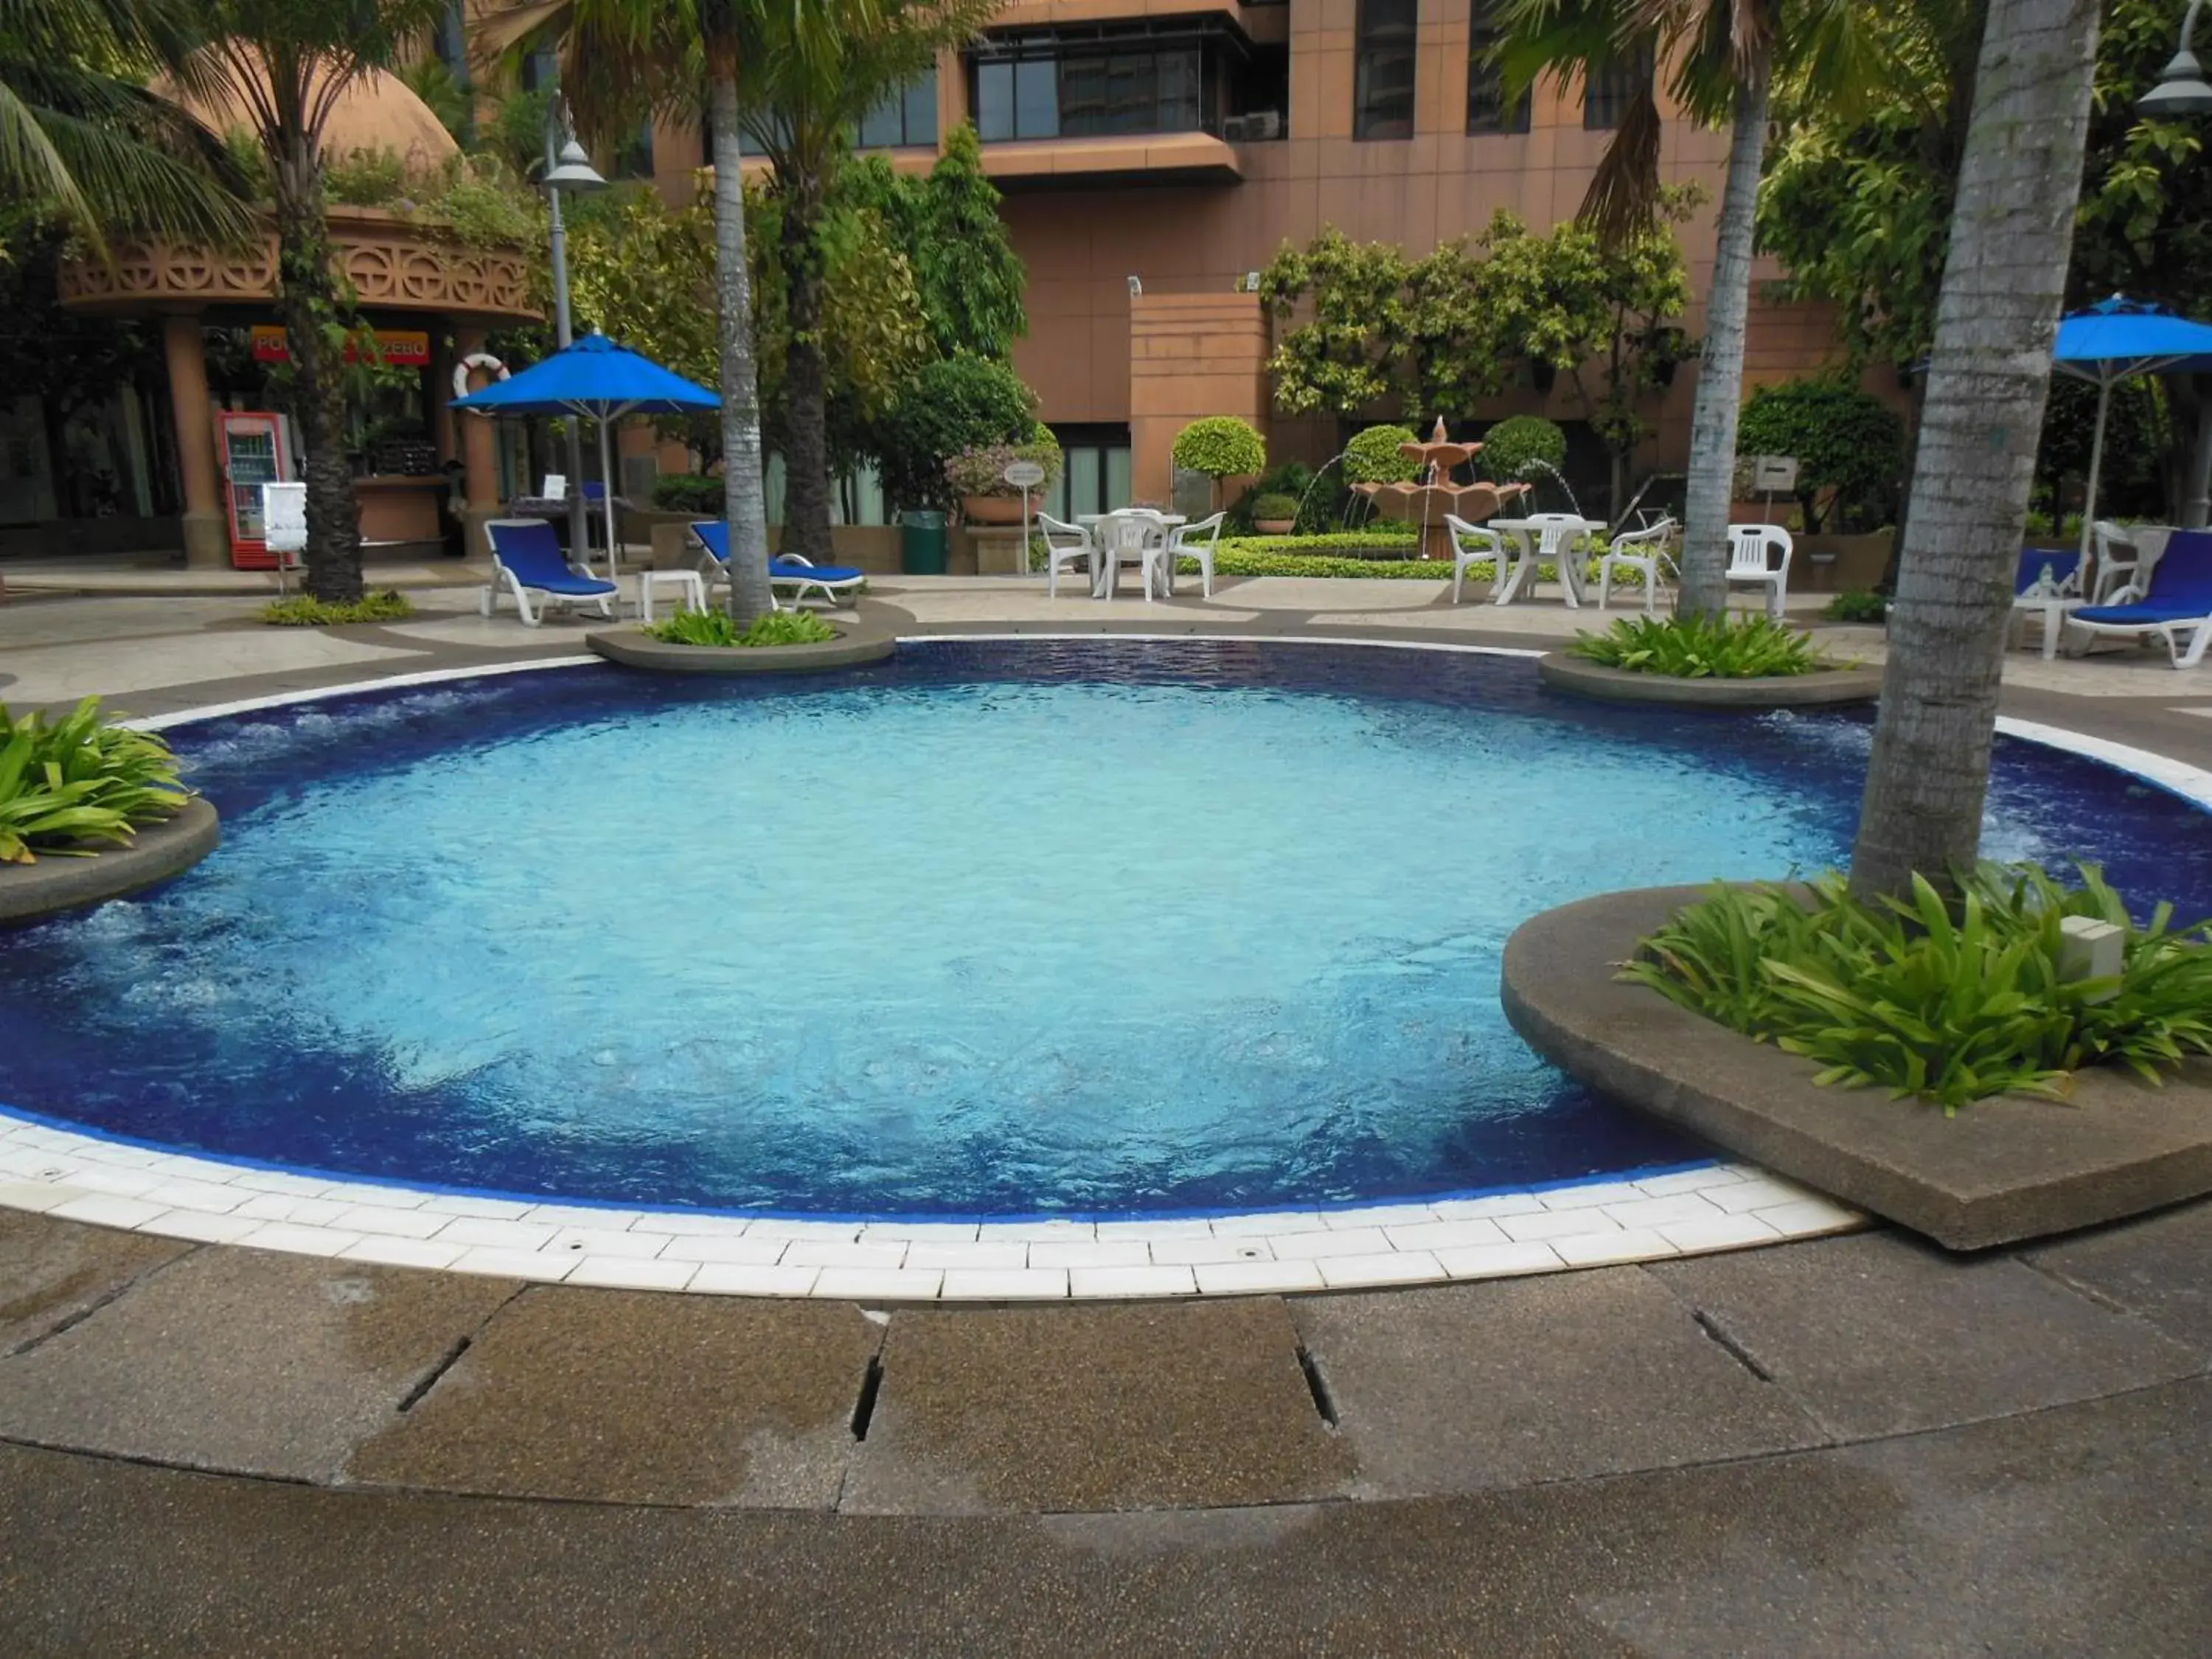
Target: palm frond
[1623, 197]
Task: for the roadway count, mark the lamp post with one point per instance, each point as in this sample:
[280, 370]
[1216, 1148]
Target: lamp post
[2181, 91]
[567, 168]
[2181, 88]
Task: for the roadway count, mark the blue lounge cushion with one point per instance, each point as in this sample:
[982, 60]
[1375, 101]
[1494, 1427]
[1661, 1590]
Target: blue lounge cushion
[2149, 614]
[714, 537]
[532, 552]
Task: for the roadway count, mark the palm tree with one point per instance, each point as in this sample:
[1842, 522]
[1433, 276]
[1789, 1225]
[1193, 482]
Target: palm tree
[1996, 321]
[84, 142]
[800, 109]
[1724, 56]
[620, 58]
[283, 66]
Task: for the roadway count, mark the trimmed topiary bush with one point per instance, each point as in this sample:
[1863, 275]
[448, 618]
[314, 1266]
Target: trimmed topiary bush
[1373, 457]
[688, 492]
[1844, 438]
[1511, 445]
[1220, 446]
[1275, 510]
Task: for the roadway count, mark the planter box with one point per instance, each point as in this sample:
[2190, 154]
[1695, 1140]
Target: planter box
[2007, 1169]
[633, 647]
[1825, 688]
[32, 892]
[991, 510]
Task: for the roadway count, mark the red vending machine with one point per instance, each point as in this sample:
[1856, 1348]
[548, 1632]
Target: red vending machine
[254, 453]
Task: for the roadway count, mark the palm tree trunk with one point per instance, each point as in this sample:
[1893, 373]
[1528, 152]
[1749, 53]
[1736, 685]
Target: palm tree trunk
[1996, 324]
[1720, 372]
[307, 300]
[745, 494]
[807, 387]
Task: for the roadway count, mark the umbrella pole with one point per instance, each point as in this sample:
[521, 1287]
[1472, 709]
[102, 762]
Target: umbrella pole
[2096, 464]
[607, 480]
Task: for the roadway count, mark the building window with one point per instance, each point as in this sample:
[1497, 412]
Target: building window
[1487, 109]
[1384, 55]
[1095, 476]
[634, 159]
[905, 120]
[541, 70]
[1609, 91]
[1100, 87]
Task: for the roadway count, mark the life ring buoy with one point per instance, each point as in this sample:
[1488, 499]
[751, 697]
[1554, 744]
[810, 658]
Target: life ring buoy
[483, 360]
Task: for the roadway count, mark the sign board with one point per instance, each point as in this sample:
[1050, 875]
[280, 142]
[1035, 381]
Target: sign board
[399, 347]
[1023, 475]
[1774, 475]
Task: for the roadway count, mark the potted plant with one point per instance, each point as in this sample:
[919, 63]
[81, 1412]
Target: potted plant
[1220, 446]
[978, 477]
[1275, 516]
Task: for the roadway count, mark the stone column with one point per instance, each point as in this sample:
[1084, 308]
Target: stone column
[206, 526]
[479, 442]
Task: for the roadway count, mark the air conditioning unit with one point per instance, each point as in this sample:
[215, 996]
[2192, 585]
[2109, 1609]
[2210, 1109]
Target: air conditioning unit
[1234, 130]
[1263, 124]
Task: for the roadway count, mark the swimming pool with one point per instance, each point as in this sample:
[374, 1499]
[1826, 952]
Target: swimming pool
[992, 929]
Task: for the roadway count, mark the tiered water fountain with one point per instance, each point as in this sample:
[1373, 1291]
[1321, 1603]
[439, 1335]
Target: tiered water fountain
[1432, 494]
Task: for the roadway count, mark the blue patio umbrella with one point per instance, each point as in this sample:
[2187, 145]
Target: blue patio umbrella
[598, 380]
[2116, 340]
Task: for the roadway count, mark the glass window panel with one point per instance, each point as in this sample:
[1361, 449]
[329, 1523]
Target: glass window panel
[1130, 97]
[1179, 83]
[920, 110]
[1083, 95]
[1383, 68]
[1084, 492]
[883, 127]
[995, 101]
[1036, 99]
[1607, 94]
[1488, 110]
[1118, 493]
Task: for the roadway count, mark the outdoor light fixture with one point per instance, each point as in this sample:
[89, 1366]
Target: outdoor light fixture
[573, 171]
[2181, 88]
[567, 168]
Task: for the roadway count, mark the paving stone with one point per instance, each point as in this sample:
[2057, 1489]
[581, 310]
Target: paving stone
[638, 1397]
[1103, 1407]
[1509, 1381]
[1878, 1334]
[244, 1359]
[2160, 1266]
[52, 1272]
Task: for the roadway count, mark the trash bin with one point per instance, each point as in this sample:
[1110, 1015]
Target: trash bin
[922, 544]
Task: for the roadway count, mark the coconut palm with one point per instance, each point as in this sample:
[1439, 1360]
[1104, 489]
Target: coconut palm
[620, 58]
[281, 66]
[800, 109]
[1996, 322]
[1722, 58]
[84, 141]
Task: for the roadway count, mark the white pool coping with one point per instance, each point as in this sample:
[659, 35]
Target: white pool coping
[52, 1169]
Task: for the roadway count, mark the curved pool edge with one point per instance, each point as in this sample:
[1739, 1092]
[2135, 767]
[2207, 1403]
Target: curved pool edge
[52, 1168]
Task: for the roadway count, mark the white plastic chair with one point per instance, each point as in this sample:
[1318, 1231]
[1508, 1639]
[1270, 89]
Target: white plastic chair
[1186, 541]
[1471, 542]
[1643, 550]
[1065, 544]
[284, 525]
[1751, 565]
[1127, 537]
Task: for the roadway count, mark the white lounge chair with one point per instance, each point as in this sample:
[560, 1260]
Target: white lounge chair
[284, 525]
[1644, 551]
[1065, 544]
[2176, 606]
[1471, 542]
[1186, 541]
[1752, 548]
[526, 559]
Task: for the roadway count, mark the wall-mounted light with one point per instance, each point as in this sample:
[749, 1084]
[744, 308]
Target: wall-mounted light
[2181, 89]
[1135, 287]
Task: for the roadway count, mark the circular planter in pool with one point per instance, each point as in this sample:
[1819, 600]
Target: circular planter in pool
[633, 647]
[158, 852]
[2010, 1167]
[1825, 688]
[1097, 928]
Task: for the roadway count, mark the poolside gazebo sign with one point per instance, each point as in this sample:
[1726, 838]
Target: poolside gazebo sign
[1774, 475]
[1024, 476]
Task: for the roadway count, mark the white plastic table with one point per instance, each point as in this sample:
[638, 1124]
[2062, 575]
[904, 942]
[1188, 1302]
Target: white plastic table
[1569, 559]
[1109, 580]
[690, 586]
[2056, 608]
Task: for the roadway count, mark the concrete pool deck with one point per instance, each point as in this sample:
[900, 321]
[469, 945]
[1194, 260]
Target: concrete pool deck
[1854, 1444]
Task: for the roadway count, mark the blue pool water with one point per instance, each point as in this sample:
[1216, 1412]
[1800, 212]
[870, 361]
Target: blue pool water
[991, 929]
